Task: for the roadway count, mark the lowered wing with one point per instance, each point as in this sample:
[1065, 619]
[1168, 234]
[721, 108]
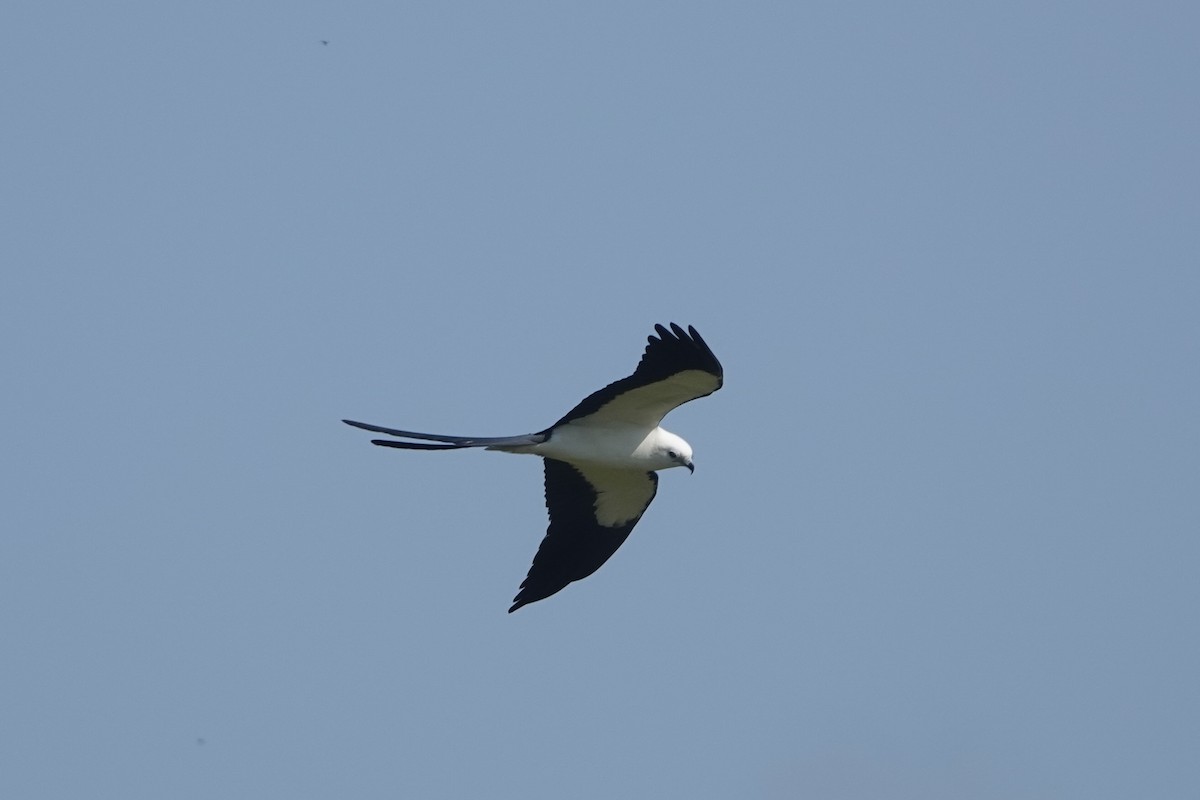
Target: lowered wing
[592, 511]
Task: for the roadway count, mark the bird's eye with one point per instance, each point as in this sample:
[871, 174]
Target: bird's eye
[672, 454]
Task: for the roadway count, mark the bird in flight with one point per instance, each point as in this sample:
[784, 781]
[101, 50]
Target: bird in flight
[600, 458]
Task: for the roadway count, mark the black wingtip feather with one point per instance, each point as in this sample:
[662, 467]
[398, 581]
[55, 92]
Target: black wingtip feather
[686, 347]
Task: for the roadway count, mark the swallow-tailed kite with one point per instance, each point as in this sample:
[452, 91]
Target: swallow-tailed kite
[600, 458]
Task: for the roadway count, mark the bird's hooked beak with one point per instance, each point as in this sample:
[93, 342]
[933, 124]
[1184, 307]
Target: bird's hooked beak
[691, 467]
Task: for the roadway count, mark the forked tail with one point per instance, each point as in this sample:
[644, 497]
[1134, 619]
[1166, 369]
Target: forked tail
[445, 442]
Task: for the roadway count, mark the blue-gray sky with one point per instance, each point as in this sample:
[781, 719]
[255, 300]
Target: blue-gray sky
[942, 537]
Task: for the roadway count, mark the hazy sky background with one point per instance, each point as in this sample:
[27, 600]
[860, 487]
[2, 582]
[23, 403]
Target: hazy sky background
[942, 538]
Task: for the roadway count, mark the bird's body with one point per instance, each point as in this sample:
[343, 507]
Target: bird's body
[601, 458]
[613, 445]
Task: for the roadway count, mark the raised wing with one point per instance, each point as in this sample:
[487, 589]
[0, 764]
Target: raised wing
[592, 512]
[677, 366]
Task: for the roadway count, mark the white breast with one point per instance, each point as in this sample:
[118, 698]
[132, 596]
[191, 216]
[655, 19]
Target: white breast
[617, 446]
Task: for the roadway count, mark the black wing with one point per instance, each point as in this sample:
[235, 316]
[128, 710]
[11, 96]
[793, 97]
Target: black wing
[677, 366]
[591, 515]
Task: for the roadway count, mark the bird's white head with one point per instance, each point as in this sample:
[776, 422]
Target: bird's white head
[672, 451]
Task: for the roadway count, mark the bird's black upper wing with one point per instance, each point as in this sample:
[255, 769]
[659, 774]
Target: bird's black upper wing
[677, 366]
[592, 512]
